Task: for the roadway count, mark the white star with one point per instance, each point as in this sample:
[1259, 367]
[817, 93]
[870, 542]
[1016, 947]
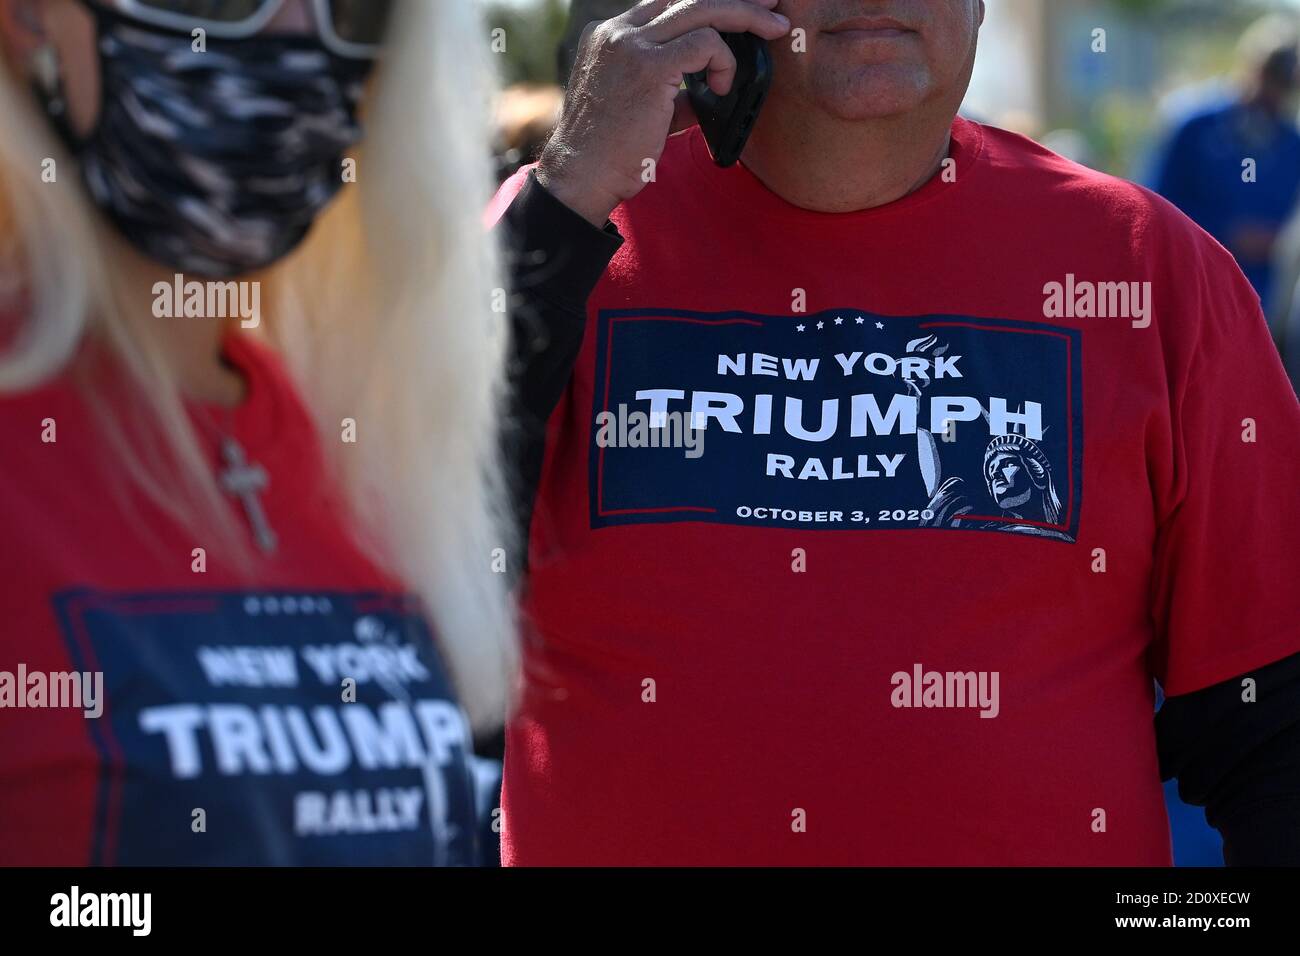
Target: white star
[799, 328]
[880, 325]
[821, 325]
[839, 321]
[861, 320]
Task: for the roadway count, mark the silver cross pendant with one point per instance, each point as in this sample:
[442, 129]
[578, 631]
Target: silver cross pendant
[245, 480]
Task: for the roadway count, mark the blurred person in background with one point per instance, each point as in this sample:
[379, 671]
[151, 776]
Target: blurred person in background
[1284, 314]
[725, 651]
[525, 115]
[1200, 167]
[267, 530]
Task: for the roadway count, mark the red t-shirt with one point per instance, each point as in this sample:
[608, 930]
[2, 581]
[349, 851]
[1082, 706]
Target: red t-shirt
[847, 631]
[225, 733]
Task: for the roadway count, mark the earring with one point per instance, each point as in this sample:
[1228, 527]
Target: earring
[45, 67]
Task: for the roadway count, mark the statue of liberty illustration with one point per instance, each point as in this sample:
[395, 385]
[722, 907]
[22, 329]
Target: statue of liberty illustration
[1019, 489]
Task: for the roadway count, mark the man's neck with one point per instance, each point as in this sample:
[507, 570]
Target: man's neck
[824, 164]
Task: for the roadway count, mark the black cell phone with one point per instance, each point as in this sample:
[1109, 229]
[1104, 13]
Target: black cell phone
[728, 120]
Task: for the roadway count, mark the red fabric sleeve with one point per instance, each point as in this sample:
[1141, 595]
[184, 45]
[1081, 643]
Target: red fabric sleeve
[1227, 562]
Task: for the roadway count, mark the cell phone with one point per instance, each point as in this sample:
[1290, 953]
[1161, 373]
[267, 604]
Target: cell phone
[727, 121]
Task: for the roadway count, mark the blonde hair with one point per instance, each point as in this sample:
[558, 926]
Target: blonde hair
[384, 316]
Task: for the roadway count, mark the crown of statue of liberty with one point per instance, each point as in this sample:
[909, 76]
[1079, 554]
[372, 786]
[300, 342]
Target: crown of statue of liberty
[1017, 442]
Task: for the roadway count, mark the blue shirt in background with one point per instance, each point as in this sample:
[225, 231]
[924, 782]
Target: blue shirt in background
[1200, 170]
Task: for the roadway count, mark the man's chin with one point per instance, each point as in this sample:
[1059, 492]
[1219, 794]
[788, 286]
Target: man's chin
[874, 92]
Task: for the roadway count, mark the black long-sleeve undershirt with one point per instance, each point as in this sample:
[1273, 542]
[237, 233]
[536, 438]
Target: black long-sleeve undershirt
[1239, 760]
[555, 260]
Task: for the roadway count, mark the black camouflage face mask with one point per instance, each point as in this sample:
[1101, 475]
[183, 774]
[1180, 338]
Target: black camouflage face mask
[217, 163]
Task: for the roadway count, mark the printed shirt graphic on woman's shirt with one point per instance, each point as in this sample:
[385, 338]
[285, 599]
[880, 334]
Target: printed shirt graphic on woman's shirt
[292, 724]
[305, 720]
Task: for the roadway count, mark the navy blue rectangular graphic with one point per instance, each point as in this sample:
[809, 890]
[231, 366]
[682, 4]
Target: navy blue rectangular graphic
[840, 420]
[271, 728]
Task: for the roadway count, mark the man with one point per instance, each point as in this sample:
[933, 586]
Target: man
[769, 653]
[1234, 167]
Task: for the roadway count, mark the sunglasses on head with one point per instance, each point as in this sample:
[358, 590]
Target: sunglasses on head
[351, 28]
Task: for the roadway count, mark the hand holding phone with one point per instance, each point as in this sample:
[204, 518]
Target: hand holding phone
[727, 121]
[624, 96]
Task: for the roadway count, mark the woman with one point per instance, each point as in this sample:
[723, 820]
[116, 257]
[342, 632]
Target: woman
[248, 466]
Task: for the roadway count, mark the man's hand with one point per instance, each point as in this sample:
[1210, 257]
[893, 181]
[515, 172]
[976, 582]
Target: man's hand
[625, 96]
